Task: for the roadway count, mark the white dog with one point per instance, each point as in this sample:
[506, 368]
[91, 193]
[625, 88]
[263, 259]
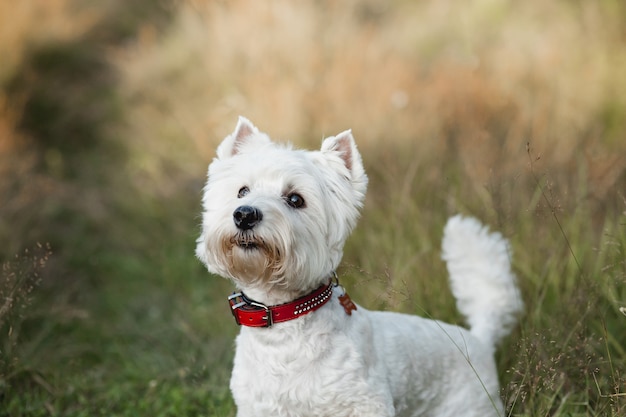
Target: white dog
[275, 221]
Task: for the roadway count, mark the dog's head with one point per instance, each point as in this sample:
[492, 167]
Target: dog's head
[278, 216]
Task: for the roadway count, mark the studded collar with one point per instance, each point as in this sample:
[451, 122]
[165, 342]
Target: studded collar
[251, 313]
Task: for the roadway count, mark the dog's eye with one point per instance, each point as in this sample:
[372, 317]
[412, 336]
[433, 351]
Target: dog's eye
[295, 200]
[243, 191]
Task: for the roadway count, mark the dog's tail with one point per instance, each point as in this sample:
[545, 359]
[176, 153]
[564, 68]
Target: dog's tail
[481, 278]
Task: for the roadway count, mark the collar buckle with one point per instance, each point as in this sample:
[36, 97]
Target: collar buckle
[268, 313]
[239, 302]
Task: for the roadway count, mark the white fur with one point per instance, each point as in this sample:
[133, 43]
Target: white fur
[328, 363]
[481, 278]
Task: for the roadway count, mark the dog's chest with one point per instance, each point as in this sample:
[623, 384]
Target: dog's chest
[318, 372]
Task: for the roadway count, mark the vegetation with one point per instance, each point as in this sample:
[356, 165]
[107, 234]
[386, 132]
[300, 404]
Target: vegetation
[514, 112]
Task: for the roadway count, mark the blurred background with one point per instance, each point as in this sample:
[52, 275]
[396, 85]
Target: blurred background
[110, 112]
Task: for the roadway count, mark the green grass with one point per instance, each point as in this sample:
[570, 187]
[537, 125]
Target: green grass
[150, 340]
[152, 335]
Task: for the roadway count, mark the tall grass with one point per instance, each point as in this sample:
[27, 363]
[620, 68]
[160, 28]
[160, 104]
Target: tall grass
[20, 276]
[514, 112]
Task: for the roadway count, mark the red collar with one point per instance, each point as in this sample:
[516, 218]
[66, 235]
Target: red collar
[250, 313]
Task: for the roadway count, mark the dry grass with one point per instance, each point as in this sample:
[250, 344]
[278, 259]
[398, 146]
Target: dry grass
[483, 77]
[18, 278]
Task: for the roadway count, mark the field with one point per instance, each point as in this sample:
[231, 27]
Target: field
[513, 112]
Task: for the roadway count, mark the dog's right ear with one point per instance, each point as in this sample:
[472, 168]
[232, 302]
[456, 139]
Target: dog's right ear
[245, 133]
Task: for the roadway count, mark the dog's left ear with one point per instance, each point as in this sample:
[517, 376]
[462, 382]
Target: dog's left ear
[245, 133]
[344, 145]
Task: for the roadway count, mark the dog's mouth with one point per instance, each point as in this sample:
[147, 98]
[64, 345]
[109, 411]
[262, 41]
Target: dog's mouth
[252, 257]
[247, 241]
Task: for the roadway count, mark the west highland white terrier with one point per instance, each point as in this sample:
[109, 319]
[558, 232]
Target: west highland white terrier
[275, 221]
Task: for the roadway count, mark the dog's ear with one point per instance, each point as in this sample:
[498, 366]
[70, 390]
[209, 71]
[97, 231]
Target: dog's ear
[244, 133]
[344, 145]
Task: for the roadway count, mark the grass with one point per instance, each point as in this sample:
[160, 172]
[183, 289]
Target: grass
[512, 112]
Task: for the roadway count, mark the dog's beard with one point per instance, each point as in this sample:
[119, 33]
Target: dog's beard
[252, 259]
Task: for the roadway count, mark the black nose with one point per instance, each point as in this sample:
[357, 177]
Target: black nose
[247, 217]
